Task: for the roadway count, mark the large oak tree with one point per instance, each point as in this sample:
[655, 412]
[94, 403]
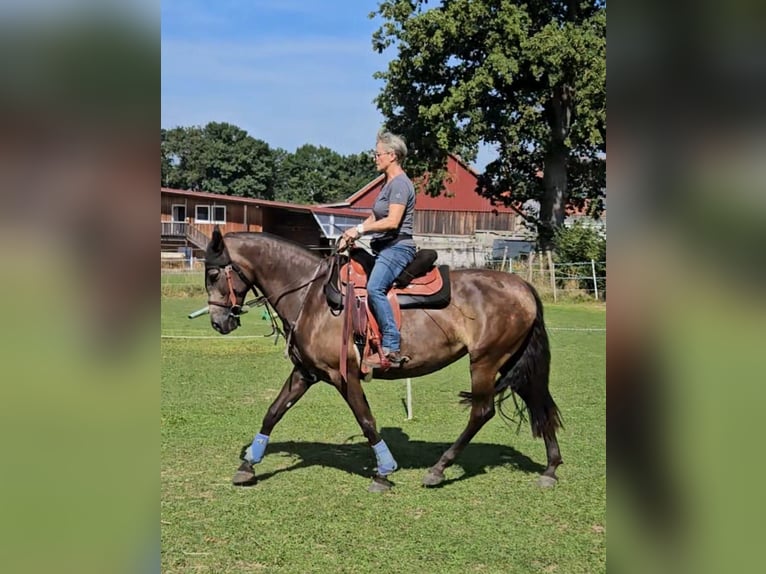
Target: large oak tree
[528, 79]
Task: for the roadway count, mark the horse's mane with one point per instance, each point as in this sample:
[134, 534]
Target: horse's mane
[298, 248]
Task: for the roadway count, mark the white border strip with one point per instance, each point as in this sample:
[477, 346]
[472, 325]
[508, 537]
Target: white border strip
[576, 329]
[230, 338]
[219, 337]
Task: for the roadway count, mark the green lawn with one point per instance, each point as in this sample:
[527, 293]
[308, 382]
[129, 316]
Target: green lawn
[311, 512]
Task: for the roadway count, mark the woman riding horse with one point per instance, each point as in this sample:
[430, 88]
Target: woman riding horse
[391, 223]
[494, 317]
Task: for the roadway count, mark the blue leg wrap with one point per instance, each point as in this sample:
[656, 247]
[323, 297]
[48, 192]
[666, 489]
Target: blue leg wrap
[254, 453]
[386, 462]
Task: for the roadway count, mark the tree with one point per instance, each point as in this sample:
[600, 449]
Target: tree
[219, 158]
[309, 174]
[222, 158]
[319, 175]
[166, 163]
[359, 170]
[528, 79]
[183, 152]
[237, 163]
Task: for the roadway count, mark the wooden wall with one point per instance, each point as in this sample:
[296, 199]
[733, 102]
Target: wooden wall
[238, 217]
[300, 227]
[462, 222]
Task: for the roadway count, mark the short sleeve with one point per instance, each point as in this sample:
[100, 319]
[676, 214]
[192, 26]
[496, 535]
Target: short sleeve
[399, 193]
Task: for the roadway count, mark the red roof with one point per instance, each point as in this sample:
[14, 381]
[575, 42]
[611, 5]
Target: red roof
[261, 202]
[459, 193]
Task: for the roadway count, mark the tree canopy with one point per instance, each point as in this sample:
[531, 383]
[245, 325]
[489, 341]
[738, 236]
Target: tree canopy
[527, 79]
[319, 175]
[218, 158]
[222, 158]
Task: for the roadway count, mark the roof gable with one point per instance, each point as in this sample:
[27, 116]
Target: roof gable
[233, 199]
[459, 193]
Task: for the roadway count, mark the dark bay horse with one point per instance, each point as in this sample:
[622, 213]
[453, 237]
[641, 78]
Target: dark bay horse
[496, 318]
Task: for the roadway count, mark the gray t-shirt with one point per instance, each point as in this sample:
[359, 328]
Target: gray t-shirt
[400, 191]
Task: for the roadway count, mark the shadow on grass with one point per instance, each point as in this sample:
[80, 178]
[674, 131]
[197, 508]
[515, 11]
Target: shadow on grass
[359, 459]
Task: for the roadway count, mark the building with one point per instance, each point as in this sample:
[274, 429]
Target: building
[464, 227]
[459, 223]
[459, 210]
[187, 219]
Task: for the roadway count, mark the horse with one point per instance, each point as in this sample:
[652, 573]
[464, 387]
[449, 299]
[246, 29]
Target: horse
[495, 318]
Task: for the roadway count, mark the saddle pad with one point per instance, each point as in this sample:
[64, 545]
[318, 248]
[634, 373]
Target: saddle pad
[427, 284]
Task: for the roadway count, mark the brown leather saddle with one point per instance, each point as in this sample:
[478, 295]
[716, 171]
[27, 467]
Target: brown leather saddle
[420, 285]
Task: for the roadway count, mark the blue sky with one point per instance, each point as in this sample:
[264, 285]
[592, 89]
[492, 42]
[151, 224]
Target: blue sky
[290, 72]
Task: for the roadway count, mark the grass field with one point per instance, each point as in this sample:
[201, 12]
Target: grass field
[311, 511]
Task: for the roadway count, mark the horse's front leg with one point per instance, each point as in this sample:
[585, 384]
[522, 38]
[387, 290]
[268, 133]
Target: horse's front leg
[294, 388]
[354, 395]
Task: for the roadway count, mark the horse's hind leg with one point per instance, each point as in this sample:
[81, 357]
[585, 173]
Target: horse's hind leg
[482, 410]
[294, 388]
[549, 478]
[545, 419]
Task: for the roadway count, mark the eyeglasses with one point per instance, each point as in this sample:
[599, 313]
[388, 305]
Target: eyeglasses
[380, 153]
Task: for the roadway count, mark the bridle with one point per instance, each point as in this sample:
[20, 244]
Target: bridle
[235, 309]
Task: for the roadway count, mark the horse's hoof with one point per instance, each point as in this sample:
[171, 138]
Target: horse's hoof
[380, 484]
[245, 475]
[545, 481]
[433, 478]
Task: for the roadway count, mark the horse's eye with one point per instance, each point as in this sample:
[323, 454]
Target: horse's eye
[213, 274]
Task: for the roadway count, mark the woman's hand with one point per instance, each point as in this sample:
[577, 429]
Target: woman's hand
[347, 239]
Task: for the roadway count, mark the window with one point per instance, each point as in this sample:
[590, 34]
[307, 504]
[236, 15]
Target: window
[179, 213]
[333, 225]
[202, 214]
[206, 214]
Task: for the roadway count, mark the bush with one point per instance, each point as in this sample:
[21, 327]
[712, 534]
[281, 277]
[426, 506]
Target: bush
[580, 243]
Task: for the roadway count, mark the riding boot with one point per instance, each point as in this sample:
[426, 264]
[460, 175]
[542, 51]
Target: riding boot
[396, 358]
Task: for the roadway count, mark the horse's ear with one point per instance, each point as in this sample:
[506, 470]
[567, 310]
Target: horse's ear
[215, 247]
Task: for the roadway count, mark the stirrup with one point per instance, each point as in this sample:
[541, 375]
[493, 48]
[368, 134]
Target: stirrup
[386, 362]
[397, 359]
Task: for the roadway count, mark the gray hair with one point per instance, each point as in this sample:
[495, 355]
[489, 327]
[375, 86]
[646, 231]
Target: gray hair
[394, 143]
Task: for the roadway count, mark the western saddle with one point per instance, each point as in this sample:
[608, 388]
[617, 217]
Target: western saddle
[420, 285]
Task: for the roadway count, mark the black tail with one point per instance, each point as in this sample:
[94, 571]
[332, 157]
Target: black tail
[526, 374]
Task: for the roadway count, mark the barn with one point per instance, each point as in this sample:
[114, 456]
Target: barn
[459, 221]
[459, 210]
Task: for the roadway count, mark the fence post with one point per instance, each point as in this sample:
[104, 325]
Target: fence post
[595, 283]
[530, 266]
[553, 275]
[505, 254]
[409, 399]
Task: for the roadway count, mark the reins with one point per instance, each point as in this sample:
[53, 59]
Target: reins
[294, 327]
[270, 301]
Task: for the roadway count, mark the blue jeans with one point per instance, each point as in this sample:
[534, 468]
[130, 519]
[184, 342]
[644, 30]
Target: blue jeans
[389, 263]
